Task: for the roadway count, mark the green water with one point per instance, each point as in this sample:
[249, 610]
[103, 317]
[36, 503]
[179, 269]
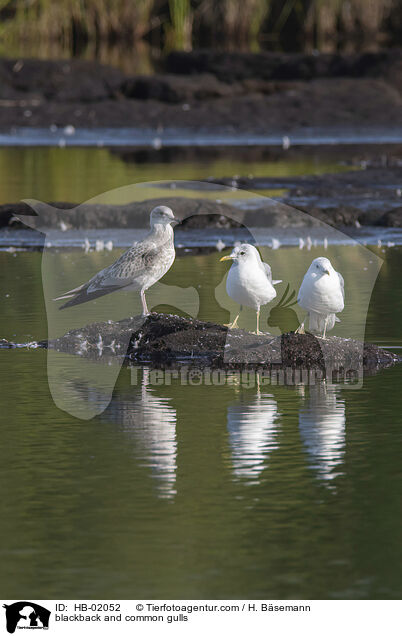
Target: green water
[187, 491]
[78, 174]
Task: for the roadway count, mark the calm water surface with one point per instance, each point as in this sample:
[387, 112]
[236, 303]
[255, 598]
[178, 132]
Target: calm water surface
[199, 491]
[77, 174]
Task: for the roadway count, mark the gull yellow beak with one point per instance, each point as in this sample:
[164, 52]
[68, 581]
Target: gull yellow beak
[226, 258]
[326, 271]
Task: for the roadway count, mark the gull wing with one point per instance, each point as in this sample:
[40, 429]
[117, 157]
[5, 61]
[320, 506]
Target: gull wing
[342, 283]
[120, 274]
[268, 272]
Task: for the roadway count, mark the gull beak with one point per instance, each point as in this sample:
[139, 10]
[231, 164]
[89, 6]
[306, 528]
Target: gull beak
[326, 271]
[226, 258]
[176, 220]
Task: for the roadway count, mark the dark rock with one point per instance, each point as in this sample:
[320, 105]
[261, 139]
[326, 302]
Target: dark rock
[175, 89]
[61, 80]
[165, 340]
[392, 218]
[6, 344]
[236, 65]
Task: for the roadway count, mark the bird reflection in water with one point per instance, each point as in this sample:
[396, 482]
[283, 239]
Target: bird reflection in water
[322, 429]
[151, 423]
[253, 429]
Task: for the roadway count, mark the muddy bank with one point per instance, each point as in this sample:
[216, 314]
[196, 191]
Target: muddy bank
[165, 340]
[265, 92]
[371, 197]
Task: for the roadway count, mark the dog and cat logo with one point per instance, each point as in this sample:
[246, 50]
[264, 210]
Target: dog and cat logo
[26, 615]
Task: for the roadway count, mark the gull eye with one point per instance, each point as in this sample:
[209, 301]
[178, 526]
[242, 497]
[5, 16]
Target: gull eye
[242, 253]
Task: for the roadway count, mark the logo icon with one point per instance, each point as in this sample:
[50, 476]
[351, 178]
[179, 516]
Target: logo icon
[26, 615]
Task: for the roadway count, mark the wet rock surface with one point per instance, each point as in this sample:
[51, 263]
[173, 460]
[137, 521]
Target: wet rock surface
[166, 340]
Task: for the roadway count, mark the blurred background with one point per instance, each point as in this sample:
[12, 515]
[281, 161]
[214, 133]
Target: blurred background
[137, 32]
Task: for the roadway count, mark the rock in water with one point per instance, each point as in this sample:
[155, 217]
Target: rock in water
[166, 340]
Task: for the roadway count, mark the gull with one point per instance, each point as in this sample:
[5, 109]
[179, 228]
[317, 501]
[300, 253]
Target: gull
[322, 294]
[249, 281]
[138, 268]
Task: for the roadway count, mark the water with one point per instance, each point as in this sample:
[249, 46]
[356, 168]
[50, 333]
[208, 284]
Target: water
[172, 137]
[78, 174]
[199, 491]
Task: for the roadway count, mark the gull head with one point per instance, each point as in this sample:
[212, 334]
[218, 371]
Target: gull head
[321, 266]
[242, 253]
[162, 215]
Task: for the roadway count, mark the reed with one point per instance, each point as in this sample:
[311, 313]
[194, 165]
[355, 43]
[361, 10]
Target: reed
[69, 20]
[184, 23]
[179, 29]
[242, 21]
[337, 20]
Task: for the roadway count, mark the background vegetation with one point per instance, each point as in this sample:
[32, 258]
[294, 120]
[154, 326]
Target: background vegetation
[74, 25]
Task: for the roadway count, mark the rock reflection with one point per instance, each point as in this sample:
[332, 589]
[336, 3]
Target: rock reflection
[322, 429]
[151, 423]
[253, 428]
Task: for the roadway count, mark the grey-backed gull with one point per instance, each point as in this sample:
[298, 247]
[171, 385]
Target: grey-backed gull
[249, 280]
[138, 268]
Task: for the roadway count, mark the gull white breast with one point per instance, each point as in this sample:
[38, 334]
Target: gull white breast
[249, 280]
[322, 295]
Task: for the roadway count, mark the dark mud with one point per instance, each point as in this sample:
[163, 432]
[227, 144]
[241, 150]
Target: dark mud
[242, 92]
[166, 340]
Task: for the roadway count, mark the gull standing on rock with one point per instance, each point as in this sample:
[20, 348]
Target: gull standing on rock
[322, 294]
[138, 268]
[249, 280]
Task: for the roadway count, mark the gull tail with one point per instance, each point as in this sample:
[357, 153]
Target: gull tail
[276, 282]
[71, 293]
[82, 296]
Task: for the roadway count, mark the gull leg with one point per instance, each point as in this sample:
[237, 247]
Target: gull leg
[325, 328]
[145, 311]
[258, 332]
[232, 325]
